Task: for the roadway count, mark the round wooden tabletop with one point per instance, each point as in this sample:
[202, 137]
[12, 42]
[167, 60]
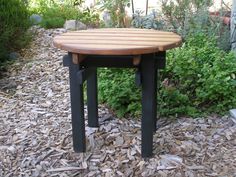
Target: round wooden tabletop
[117, 41]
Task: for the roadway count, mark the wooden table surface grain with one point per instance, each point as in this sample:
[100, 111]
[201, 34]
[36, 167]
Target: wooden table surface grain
[117, 41]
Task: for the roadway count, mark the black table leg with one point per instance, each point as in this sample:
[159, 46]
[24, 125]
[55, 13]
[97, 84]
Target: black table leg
[149, 93]
[92, 100]
[77, 108]
[155, 101]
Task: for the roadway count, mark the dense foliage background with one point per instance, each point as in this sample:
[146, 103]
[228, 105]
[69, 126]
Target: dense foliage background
[200, 76]
[55, 13]
[14, 22]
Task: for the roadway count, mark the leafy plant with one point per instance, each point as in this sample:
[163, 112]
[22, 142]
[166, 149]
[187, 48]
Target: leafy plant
[192, 17]
[55, 22]
[200, 78]
[55, 17]
[56, 13]
[14, 22]
[89, 17]
[116, 9]
[202, 73]
[182, 14]
[117, 89]
[148, 21]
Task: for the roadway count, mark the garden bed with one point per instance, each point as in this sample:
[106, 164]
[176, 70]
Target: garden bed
[35, 130]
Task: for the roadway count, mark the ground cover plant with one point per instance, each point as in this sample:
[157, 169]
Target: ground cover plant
[14, 22]
[192, 17]
[200, 75]
[199, 78]
[116, 10]
[55, 13]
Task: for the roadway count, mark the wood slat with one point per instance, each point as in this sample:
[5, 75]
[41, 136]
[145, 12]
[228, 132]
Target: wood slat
[121, 34]
[126, 30]
[97, 49]
[110, 42]
[131, 38]
[117, 41]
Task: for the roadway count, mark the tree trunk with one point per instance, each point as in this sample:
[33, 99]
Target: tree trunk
[233, 26]
[146, 7]
[132, 3]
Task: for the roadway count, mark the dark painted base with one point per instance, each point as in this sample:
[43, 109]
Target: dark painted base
[146, 76]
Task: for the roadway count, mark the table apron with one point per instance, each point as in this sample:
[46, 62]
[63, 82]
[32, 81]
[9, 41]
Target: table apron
[123, 61]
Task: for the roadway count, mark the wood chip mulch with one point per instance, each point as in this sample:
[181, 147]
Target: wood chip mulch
[35, 130]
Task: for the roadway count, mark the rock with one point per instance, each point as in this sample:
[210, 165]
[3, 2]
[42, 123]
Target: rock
[14, 56]
[233, 114]
[74, 25]
[169, 162]
[35, 19]
[106, 16]
[119, 141]
[189, 146]
[90, 130]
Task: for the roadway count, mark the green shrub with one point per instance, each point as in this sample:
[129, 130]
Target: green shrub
[204, 74]
[56, 16]
[14, 22]
[186, 15]
[89, 17]
[116, 9]
[199, 78]
[149, 21]
[117, 89]
[55, 13]
[192, 17]
[54, 22]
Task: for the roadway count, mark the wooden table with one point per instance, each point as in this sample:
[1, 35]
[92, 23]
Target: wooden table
[114, 47]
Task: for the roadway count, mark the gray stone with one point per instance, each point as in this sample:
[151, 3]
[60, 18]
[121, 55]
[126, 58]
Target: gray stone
[35, 19]
[233, 114]
[106, 16]
[14, 56]
[74, 25]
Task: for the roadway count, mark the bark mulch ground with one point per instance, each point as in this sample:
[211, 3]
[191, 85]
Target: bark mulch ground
[35, 130]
